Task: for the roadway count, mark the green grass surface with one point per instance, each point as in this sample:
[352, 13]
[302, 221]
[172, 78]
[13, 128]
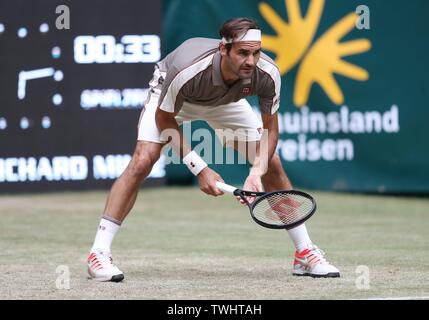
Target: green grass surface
[178, 243]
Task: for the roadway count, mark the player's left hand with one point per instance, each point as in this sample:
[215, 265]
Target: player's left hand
[252, 183]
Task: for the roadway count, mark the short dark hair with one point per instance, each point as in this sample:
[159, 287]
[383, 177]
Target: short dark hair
[236, 26]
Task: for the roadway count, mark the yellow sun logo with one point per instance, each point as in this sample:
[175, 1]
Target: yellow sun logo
[321, 60]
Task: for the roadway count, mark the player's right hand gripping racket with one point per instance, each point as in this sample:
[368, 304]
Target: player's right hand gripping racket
[283, 209]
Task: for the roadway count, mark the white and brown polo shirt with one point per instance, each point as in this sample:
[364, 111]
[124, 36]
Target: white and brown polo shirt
[191, 73]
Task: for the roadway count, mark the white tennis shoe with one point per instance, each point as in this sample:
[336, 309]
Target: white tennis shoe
[311, 262]
[101, 267]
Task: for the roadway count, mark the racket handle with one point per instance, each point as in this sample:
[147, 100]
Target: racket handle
[225, 187]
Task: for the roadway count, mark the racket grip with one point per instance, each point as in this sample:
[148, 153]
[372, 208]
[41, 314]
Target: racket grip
[225, 187]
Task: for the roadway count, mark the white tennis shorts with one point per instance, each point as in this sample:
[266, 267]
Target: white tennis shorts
[237, 116]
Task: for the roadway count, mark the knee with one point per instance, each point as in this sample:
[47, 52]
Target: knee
[141, 164]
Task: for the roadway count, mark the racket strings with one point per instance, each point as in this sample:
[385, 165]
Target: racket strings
[283, 208]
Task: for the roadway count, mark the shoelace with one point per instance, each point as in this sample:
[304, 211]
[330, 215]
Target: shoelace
[104, 259]
[320, 254]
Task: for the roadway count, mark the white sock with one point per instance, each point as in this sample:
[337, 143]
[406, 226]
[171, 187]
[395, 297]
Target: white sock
[105, 234]
[300, 237]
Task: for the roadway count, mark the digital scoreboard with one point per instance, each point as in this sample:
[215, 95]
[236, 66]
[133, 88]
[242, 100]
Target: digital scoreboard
[71, 94]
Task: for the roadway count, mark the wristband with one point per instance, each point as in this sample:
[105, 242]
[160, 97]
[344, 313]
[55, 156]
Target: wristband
[194, 162]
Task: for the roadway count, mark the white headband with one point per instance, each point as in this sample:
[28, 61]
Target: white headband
[250, 35]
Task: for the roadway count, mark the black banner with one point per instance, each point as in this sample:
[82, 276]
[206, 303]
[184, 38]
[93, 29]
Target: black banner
[74, 78]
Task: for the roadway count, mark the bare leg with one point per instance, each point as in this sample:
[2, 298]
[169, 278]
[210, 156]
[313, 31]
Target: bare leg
[119, 203]
[124, 191]
[276, 179]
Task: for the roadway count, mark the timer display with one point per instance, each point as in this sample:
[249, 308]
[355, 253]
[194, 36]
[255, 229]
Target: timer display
[70, 99]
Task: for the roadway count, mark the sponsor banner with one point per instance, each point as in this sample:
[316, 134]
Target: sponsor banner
[354, 91]
[49, 171]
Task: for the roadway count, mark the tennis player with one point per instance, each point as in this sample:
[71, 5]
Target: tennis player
[208, 79]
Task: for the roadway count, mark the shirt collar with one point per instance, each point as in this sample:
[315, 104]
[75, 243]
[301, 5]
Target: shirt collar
[216, 74]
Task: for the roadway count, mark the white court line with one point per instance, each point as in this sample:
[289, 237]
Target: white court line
[400, 298]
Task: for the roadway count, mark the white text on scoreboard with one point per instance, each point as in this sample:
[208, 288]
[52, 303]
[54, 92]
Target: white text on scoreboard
[105, 49]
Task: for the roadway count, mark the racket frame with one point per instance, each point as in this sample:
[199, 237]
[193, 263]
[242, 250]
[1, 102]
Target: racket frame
[260, 196]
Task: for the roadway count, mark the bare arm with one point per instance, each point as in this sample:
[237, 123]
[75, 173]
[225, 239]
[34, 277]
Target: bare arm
[170, 132]
[267, 145]
[271, 123]
[264, 153]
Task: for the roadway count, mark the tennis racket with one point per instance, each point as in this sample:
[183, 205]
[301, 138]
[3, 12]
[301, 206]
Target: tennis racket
[284, 209]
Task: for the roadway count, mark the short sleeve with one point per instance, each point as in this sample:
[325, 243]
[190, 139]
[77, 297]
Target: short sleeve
[269, 88]
[171, 98]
